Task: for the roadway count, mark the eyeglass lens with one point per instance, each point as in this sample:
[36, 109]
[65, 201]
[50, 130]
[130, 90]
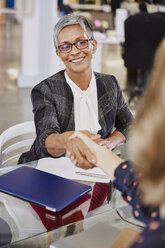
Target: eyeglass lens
[81, 44]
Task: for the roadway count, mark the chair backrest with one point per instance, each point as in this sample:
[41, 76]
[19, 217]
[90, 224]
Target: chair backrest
[143, 33]
[14, 141]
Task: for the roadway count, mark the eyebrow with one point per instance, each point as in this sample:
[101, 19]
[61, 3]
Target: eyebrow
[79, 38]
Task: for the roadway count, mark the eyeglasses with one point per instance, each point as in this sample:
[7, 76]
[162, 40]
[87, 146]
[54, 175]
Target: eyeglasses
[80, 44]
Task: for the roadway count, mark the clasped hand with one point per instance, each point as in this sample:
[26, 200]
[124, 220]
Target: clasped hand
[80, 154]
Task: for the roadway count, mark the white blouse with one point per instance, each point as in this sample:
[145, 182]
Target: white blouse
[85, 106]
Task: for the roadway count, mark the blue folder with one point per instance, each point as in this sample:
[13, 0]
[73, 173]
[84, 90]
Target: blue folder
[42, 188]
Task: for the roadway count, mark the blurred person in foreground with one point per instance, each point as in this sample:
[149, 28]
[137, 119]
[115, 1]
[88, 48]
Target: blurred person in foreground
[142, 179]
[76, 98]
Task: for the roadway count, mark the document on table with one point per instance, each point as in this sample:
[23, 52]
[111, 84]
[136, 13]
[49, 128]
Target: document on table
[64, 167]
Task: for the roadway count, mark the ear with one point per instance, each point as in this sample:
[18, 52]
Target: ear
[57, 52]
[94, 46]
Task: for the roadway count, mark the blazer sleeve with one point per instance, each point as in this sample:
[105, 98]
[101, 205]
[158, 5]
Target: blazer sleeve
[124, 116]
[45, 114]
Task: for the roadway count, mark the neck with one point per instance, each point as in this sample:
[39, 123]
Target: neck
[162, 211]
[82, 80]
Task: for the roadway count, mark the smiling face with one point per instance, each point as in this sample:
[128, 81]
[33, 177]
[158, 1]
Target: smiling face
[76, 61]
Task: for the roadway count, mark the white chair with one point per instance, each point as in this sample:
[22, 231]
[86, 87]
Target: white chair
[14, 141]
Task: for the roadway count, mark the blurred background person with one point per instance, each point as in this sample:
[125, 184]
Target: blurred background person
[115, 4]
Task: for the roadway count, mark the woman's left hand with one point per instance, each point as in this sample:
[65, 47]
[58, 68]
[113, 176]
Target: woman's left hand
[106, 143]
[115, 139]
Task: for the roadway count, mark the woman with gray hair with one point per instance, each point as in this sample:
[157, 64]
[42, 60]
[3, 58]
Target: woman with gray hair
[76, 98]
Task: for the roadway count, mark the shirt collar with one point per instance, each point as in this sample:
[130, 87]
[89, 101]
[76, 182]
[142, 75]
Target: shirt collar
[74, 87]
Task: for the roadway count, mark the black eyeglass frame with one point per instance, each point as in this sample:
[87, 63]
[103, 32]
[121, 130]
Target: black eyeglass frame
[74, 44]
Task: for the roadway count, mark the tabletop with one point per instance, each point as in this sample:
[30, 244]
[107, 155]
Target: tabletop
[23, 224]
[20, 220]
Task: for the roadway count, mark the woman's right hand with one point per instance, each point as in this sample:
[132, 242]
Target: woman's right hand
[58, 144]
[74, 151]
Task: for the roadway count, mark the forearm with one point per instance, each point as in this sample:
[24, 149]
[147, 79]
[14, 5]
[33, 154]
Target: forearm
[107, 161]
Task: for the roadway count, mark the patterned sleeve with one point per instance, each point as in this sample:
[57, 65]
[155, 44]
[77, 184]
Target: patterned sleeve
[45, 116]
[126, 182]
[123, 115]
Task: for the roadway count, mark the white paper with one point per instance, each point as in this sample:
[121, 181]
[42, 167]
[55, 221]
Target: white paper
[64, 167]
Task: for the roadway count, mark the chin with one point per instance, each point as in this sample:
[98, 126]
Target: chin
[84, 67]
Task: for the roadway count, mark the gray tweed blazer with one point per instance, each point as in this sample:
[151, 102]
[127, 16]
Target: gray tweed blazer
[53, 110]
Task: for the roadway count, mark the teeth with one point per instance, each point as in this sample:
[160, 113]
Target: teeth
[76, 60]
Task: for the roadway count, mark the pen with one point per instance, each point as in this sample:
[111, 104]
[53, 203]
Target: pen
[91, 174]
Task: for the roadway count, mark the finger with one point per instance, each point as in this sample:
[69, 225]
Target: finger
[89, 142]
[76, 156]
[72, 136]
[75, 162]
[79, 145]
[72, 157]
[86, 152]
[101, 143]
[108, 145]
[96, 137]
[90, 157]
[75, 134]
[88, 160]
[98, 140]
[90, 135]
[83, 161]
[68, 154]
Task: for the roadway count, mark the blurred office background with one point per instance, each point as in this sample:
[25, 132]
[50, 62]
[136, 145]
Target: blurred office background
[27, 54]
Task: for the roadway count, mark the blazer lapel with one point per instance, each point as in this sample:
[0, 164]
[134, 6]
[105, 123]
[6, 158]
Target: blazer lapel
[68, 120]
[101, 95]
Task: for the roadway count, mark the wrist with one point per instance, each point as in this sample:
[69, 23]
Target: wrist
[65, 138]
[55, 145]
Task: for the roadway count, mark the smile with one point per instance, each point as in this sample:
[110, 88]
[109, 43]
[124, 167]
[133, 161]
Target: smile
[77, 60]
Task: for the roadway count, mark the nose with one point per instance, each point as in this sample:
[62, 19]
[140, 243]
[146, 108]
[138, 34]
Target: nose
[75, 49]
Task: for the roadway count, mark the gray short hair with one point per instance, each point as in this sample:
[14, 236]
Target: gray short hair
[72, 19]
